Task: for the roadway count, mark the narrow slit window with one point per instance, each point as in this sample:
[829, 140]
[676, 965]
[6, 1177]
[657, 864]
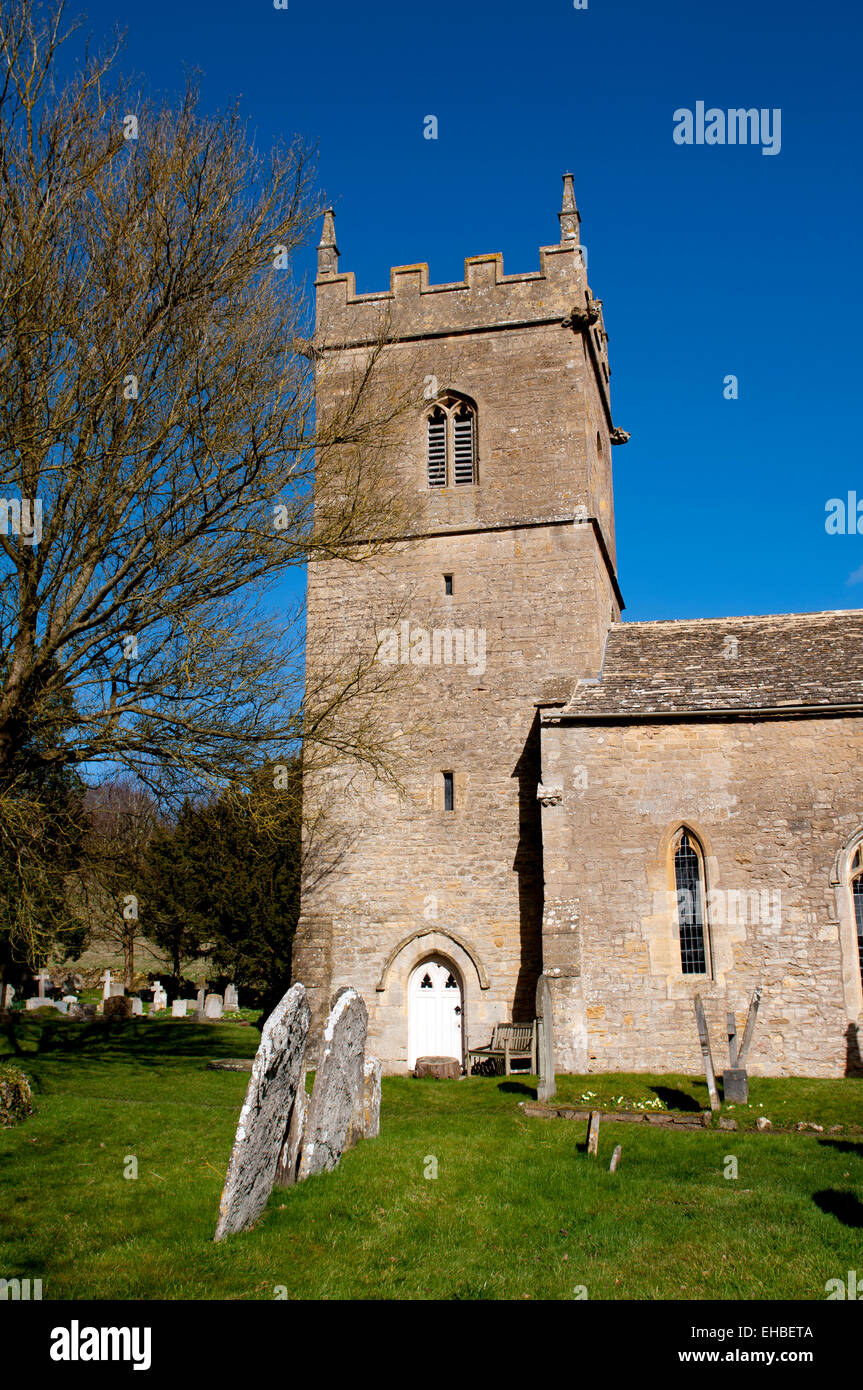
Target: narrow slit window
[448, 790]
[857, 895]
[690, 907]
[437, 448]
[447, 585]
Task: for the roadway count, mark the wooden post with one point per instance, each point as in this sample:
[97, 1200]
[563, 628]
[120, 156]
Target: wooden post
[732, 1040]
[593, 1133]
[704, 1039]
[507, 1068]
[533, 1069]
[615, 1158]
[750, 1028]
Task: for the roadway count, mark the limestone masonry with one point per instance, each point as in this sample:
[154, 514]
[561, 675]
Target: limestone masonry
[640, 811]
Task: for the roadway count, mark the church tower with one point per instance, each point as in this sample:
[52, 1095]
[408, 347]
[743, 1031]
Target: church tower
[495, 600]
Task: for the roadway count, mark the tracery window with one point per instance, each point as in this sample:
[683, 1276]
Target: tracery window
[689, 877]
[451, 442]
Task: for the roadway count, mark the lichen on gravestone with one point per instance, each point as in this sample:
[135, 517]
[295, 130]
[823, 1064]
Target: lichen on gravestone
[277, 1071]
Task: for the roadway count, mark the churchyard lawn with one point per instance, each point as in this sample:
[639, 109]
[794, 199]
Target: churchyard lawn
[517, 1210]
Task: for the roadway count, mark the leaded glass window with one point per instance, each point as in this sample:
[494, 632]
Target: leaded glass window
[690, 907]
[857, 894]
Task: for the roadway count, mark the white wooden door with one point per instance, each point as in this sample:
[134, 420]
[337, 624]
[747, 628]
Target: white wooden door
[434, 1012]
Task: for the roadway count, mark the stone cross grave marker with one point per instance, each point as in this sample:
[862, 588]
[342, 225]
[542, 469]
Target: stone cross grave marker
[335, 1118]
[277, 1071]
[160, 998]
[106, 980]
[42, 979]
[545, 1027]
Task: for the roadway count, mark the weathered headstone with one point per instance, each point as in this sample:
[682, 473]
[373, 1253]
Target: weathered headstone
[117, 989]
[213, 1006]
[276, 1073]
[8, 996]
[117, 1006]
[615, 1158]
[38, 1002]
[137, 1007]
[735, 1086]
[704, 1039]
[372, 1098]
[593, 1134]
[82, 1013]
[178, 1008]
[335, 1118]
[289, 1159]
[232, 1002]
[106, 981]
[545, 1029]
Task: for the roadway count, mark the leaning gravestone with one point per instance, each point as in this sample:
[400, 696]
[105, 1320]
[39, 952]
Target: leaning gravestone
[545, 1027]
[372, 1098]
[289, 1159]
[232, 1002]
[277, 1071]
[213, 1006]
[335, 1118]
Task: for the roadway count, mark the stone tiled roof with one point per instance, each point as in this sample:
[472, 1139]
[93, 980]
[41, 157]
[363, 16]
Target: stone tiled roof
[699, 666]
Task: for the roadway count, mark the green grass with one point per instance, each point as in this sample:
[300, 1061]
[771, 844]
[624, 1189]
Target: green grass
[517, 1211]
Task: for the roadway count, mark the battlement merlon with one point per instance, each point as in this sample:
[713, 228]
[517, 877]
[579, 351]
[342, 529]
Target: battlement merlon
[485, 299]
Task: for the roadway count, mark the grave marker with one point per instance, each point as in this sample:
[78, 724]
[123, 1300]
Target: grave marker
[261, 1131]
[545, 1028]
[704, 1039]
[335, 1118]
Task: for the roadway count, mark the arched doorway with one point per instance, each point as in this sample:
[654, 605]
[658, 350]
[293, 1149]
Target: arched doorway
[435, 1011]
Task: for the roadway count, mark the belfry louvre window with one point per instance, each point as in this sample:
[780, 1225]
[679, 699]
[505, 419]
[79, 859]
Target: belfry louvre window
[857, 895]
[451, 442]
[463, 438]
[437, 427]
[690, 906]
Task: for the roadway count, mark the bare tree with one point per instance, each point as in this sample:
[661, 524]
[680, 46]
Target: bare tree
[106, 889]
[158, 436]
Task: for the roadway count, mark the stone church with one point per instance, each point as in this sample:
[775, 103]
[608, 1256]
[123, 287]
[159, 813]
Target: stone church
[641, 811]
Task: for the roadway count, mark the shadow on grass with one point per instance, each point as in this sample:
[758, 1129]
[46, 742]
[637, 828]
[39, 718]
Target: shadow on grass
[843, 1205]
[113, 1040]
[676, 1100]
[517, 1088]
[842, 1146]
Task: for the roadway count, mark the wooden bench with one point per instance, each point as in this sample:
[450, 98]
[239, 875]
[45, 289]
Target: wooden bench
[510, 1042]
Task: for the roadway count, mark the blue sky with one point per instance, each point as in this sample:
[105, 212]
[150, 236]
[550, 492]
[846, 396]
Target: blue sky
[710, 260]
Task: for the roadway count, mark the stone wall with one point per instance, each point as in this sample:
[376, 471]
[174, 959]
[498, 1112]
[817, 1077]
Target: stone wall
[776, 805]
